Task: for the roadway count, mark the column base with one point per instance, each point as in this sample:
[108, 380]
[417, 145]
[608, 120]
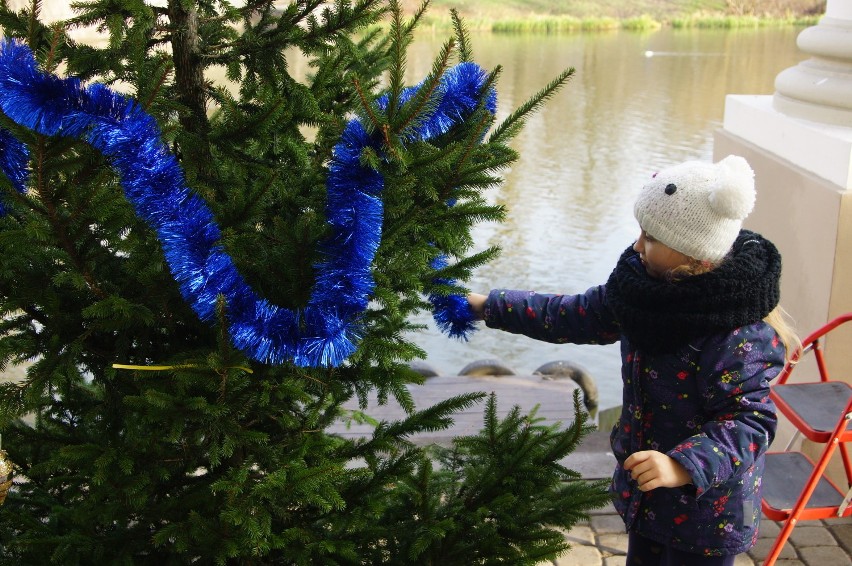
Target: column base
[822, 149]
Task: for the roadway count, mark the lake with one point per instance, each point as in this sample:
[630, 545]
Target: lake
[639, 101]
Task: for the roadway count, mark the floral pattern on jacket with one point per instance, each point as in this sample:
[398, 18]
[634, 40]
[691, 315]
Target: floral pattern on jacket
[706, 405]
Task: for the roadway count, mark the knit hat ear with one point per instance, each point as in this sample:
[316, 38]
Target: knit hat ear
[698, 208]
[733, 196]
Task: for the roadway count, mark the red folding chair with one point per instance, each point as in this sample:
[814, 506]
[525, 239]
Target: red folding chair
[794, 486]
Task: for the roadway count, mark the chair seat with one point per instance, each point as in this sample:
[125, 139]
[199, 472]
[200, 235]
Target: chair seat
[813, 407]
[784, 480]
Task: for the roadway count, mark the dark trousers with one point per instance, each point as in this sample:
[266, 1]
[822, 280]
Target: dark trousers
[645, 552]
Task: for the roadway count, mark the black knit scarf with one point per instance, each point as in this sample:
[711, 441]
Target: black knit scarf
[660, 316]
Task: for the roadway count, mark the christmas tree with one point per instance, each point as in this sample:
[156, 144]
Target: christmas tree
[202, 275]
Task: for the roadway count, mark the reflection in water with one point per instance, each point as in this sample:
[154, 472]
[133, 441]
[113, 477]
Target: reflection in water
[585, 155]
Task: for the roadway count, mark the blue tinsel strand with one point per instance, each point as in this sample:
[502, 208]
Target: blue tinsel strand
[326, 331]
[14, 157]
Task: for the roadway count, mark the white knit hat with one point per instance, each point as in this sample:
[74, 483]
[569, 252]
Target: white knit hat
[698, 208]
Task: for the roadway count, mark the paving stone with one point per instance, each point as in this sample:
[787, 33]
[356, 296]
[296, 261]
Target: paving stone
[838, 521]
[823, 556]
[580, 555]
[763, 545]
[615, 561]
[743, 560]
[580, 534]
[610, 544]
[608, 509]
[768, 529]
[843, 534]
[806, 536]
[604, 524]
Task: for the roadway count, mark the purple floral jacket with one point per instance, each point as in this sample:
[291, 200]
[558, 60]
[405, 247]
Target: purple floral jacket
[706, 405]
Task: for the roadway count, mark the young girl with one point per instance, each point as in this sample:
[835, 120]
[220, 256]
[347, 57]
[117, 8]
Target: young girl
[694, 304]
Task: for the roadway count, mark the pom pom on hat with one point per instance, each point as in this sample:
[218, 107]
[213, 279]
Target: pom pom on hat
[698, 208]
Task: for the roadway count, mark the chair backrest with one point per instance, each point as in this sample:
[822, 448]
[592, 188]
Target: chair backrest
[812, 343]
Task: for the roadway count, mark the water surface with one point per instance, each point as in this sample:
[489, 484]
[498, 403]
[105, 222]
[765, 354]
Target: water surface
[638, 102]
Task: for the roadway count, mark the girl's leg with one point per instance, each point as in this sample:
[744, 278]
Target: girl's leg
[642, 551]
[645, 552]
[673, 557]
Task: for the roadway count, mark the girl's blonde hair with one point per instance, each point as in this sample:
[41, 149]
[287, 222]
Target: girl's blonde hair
[778, 319]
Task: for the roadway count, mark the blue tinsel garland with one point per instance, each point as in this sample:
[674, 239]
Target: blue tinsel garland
[326, 331]
[14, 157]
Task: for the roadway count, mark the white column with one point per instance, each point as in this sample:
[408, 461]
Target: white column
[808, 121]
[820, 88]
[799, 142]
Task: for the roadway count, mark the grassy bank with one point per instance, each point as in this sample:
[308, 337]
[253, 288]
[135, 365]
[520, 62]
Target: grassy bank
[557, 16]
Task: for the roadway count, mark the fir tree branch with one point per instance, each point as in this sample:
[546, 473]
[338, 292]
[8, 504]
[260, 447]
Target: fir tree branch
[418, 15]
[34, 24]
[253, 6]
[462, 36]
[57, 32]
[167, 71]
[398, 48]
[473, 140]
[415, 107]
[295, 16]
[288, 28]
[59, 227]
[509, 127]
[12, 400]
[400, 38]
[365, 104]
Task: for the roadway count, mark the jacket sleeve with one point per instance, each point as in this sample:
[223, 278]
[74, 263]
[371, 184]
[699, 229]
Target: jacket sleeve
[579, 319]
[739, 417]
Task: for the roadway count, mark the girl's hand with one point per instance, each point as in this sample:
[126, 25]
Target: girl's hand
[652, 469]
[477, 304]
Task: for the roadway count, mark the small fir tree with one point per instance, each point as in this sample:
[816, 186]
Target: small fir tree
[222, 456]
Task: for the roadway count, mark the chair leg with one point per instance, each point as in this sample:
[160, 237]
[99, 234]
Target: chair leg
[805, 496]
[847, 463]
[793, 519]
[847, 500]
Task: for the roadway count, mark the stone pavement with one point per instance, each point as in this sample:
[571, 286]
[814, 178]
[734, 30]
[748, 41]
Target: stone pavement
[602, 542]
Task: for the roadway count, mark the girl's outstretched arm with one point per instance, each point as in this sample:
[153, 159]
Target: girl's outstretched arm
[580, 319]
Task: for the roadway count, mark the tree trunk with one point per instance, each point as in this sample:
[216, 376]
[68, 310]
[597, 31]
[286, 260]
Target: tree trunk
[189, 79]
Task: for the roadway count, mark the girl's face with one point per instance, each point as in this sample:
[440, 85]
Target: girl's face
[658, 258]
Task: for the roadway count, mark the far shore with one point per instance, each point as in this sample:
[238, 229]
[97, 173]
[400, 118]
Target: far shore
[569, 24]
[558, 16]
